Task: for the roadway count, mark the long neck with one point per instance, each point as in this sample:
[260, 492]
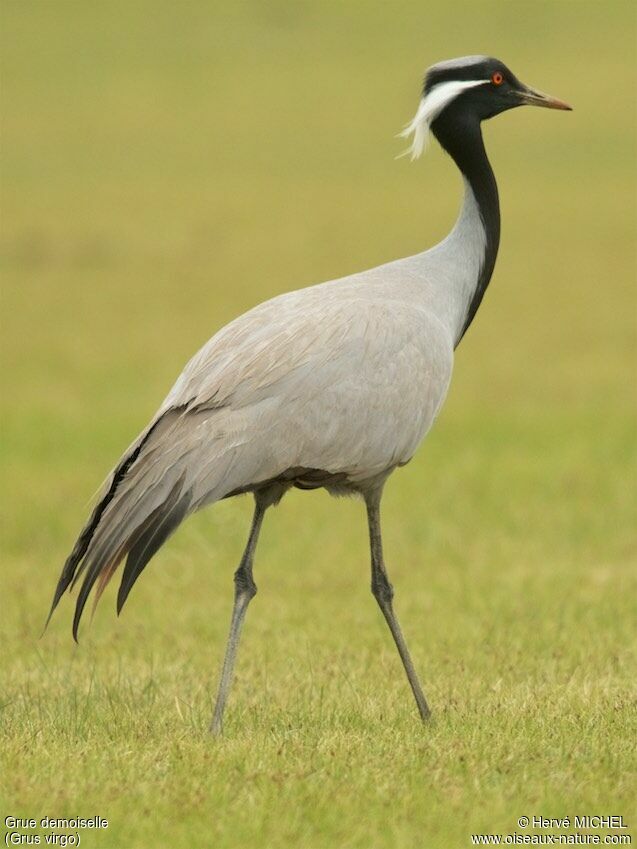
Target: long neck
[464, 144]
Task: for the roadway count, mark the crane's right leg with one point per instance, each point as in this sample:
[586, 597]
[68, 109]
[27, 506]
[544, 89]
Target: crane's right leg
[384, 593]
[244, 591]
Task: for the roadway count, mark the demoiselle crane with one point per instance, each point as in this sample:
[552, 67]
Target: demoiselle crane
[330, 386]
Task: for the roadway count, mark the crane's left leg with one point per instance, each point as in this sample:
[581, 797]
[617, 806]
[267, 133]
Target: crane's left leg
[384, 593]
[244, 591]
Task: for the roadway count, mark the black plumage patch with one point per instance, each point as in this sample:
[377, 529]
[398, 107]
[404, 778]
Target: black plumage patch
[468, 68]
[70, 571]
[156, 530]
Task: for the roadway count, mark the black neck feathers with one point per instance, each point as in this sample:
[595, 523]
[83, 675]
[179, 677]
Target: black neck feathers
[461, 137]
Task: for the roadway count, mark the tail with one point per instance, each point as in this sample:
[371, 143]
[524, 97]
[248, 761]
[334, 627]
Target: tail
[143, 503]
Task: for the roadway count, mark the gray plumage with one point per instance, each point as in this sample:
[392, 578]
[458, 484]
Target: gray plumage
[333, 385]
[345, 377]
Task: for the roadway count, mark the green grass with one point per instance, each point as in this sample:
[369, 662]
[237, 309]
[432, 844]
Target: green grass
[164, 167]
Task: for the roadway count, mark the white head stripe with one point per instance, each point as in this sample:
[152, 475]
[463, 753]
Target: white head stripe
[429, 108]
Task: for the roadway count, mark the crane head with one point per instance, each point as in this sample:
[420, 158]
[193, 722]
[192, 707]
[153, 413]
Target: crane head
[460, 93]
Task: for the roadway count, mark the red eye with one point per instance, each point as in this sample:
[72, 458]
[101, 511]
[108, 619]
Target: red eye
[497, 78]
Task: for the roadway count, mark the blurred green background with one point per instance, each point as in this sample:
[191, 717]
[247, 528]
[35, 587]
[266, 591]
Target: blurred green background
[165, 166]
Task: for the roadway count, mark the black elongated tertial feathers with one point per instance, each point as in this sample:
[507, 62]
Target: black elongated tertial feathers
[69, 570]
[142, 505]
[158, 528]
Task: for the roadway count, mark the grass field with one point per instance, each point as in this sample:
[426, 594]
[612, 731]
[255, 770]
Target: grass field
[166, 166]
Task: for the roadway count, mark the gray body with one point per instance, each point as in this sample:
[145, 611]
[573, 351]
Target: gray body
[345, 377]
[334, 385]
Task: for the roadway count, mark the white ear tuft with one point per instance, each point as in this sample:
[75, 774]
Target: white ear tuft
[419, 127]
[428, 110]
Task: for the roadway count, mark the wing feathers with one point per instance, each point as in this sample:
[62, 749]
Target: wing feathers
[166, 519]
[68, 576]
[146, 499]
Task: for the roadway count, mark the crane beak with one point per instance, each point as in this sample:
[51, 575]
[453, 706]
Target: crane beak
[533, 97]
